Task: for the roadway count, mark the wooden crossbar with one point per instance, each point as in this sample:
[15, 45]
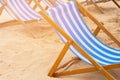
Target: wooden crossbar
[85, 70]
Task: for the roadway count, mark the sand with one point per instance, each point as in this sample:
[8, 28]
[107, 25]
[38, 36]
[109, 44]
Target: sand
[25, 58]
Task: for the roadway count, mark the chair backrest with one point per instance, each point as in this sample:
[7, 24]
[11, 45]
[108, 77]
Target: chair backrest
[22, 9]
[67, 16]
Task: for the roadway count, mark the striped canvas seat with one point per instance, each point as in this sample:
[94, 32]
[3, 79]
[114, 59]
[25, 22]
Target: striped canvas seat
[73, 24]
[22, 9]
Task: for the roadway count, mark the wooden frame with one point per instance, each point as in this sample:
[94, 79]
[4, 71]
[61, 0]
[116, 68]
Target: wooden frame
[96, 67]
[116, 3]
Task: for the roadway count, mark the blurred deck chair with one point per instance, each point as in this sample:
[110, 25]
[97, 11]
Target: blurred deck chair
[77, 37]
[22, 14]
[94, 2]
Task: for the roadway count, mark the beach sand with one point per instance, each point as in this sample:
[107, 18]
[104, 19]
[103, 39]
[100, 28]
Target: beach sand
[25, 58]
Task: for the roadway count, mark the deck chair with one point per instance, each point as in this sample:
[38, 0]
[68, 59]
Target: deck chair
[94, 2]
[22, 13]
[77, 37]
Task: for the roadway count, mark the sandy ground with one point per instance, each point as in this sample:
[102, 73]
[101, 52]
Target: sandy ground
[25, 58]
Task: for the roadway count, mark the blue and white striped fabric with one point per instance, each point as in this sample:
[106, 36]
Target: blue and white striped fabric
[67, 16]
[46, 2]
[22, 9]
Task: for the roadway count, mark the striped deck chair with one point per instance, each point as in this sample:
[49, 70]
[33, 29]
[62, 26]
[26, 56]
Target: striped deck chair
[88, 2]
[21, 12]
[77, 37]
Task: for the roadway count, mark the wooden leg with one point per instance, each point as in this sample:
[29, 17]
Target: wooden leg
[2, 8]
[116, 3]
[97, 30]
[59, 59]
[97, 6]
